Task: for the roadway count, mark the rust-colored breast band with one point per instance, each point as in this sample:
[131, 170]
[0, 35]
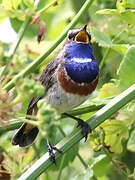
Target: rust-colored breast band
[70, 86]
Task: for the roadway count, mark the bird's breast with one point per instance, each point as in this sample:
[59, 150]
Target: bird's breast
[70, 86]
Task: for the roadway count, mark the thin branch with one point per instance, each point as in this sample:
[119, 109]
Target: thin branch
[16, 123]
[77, 154]
[68, 142]
[20, 36]
[41, 11]
[31, 67]
[61, 167]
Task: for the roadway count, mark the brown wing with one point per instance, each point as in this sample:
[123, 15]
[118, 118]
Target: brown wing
[47, 79]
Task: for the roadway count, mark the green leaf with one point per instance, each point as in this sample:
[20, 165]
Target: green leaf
[7, 4]
[29, 3]
[127, 16]
[131, 142]
[101, 165]
[87, 174]
[130, 3]
[115, 132]
[15, 3]
[120, 48]
[11, 4]
[121, 4]
[108, 90]
[126, 69]
[3, 14]
[2, 70]
[101, 38]
[16, 24]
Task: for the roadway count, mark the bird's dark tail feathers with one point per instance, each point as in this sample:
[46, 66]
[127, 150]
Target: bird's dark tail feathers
[27, 132]
[25, 135]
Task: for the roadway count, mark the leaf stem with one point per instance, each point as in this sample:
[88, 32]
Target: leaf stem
[41, 58]
[46, 7]
[82, 161]
[61, 167]
[78, 155]
[113, 106]
[20, 36]
[16, 123]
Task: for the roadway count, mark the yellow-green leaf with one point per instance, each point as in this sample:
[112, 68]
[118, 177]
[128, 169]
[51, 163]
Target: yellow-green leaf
[11, 4]
[7, 4]
[126, 69]
[131, 142]
[121, 4]
[29, 3]
[130, 3]
[15, 3]
[108, 90]
[120, 48]
[101, 38]
[127, 16]
[3, 14]
[101, 165]
[115, 132]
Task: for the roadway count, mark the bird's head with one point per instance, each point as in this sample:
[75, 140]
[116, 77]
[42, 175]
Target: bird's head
[79, 35]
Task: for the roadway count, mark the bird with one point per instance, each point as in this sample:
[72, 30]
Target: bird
[69, 80]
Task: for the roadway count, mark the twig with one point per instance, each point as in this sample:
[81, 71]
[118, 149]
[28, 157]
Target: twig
[41, 11]
[20, 36]
[78, 155]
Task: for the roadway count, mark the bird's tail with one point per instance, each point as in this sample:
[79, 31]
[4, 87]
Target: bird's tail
[27, 133]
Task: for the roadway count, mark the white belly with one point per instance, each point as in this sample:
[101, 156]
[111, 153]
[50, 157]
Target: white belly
[62, 101]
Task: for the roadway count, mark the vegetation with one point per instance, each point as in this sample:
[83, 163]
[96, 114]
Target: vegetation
[41, 26]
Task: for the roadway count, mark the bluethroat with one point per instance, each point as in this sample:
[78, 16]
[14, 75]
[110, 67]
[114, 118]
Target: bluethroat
[69, 80]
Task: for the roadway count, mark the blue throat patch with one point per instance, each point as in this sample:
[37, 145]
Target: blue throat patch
[79, 71]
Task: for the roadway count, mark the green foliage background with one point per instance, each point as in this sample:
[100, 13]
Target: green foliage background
[110, 150]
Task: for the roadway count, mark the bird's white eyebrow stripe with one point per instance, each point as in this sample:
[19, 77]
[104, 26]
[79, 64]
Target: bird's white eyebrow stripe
[81, 60]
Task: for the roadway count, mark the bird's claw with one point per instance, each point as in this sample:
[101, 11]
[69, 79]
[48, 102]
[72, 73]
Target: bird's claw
[85, 128]
[51, 153]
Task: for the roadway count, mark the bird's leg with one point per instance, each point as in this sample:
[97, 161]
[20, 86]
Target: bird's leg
[84, 125]
[50, 151]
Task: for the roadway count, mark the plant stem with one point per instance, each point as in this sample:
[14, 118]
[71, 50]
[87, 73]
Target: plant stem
[61, 167]
[41, 58]
[104, 58]
[78, 155]
[20, 36]
[82, 161]
[16, 123]
[84, 110]
[44, 162]
[41, 11]
[13, 125]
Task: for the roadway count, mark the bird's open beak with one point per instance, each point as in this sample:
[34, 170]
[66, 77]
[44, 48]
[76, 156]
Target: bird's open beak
[82, 36]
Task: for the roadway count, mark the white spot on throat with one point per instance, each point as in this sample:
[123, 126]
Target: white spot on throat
[81, 60]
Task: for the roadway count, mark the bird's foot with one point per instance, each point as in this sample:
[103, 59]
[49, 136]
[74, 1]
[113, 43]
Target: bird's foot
[84, 125]
[85, 128]
[51, 153]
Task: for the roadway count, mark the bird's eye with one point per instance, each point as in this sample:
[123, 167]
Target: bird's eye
[70, 36]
